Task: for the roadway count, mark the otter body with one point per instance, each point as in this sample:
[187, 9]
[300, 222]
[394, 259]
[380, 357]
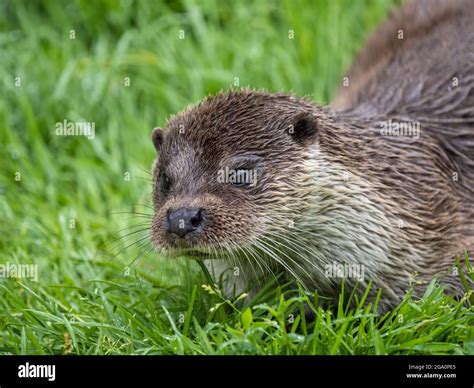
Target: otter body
[379, 186]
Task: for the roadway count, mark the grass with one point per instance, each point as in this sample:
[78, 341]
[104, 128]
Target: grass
[64, 201]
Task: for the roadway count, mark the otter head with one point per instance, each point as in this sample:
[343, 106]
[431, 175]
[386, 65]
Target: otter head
[229, 172]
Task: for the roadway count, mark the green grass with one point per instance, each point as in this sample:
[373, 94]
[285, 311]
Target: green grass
[96, 295]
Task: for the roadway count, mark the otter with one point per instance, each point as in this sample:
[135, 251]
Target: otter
[376, 187]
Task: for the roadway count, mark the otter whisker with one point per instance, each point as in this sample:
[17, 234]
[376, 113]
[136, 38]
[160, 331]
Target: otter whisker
[272, 255]
[131, 245]
[282, 255]
[143, 253]
[288, 242]
[145, 170]
[144, 205]
[134, 213]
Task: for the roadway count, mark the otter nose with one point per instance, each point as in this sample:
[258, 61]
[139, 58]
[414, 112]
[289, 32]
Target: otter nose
[184, 220]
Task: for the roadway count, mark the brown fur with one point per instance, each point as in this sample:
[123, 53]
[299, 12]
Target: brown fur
[334, 189]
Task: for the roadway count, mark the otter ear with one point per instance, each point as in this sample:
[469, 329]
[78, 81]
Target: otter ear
[157, 138]
[304, 128]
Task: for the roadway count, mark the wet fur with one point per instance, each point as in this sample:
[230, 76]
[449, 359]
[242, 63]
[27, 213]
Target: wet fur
[338, 191]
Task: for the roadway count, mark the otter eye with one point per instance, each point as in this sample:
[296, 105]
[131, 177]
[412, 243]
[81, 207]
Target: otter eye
[241, 171]
[243, 177]
[165, 183]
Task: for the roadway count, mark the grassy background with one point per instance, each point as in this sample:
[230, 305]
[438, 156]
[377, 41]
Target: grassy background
[101, 294]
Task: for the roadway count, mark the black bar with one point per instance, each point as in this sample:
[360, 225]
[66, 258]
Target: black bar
[319, 371]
